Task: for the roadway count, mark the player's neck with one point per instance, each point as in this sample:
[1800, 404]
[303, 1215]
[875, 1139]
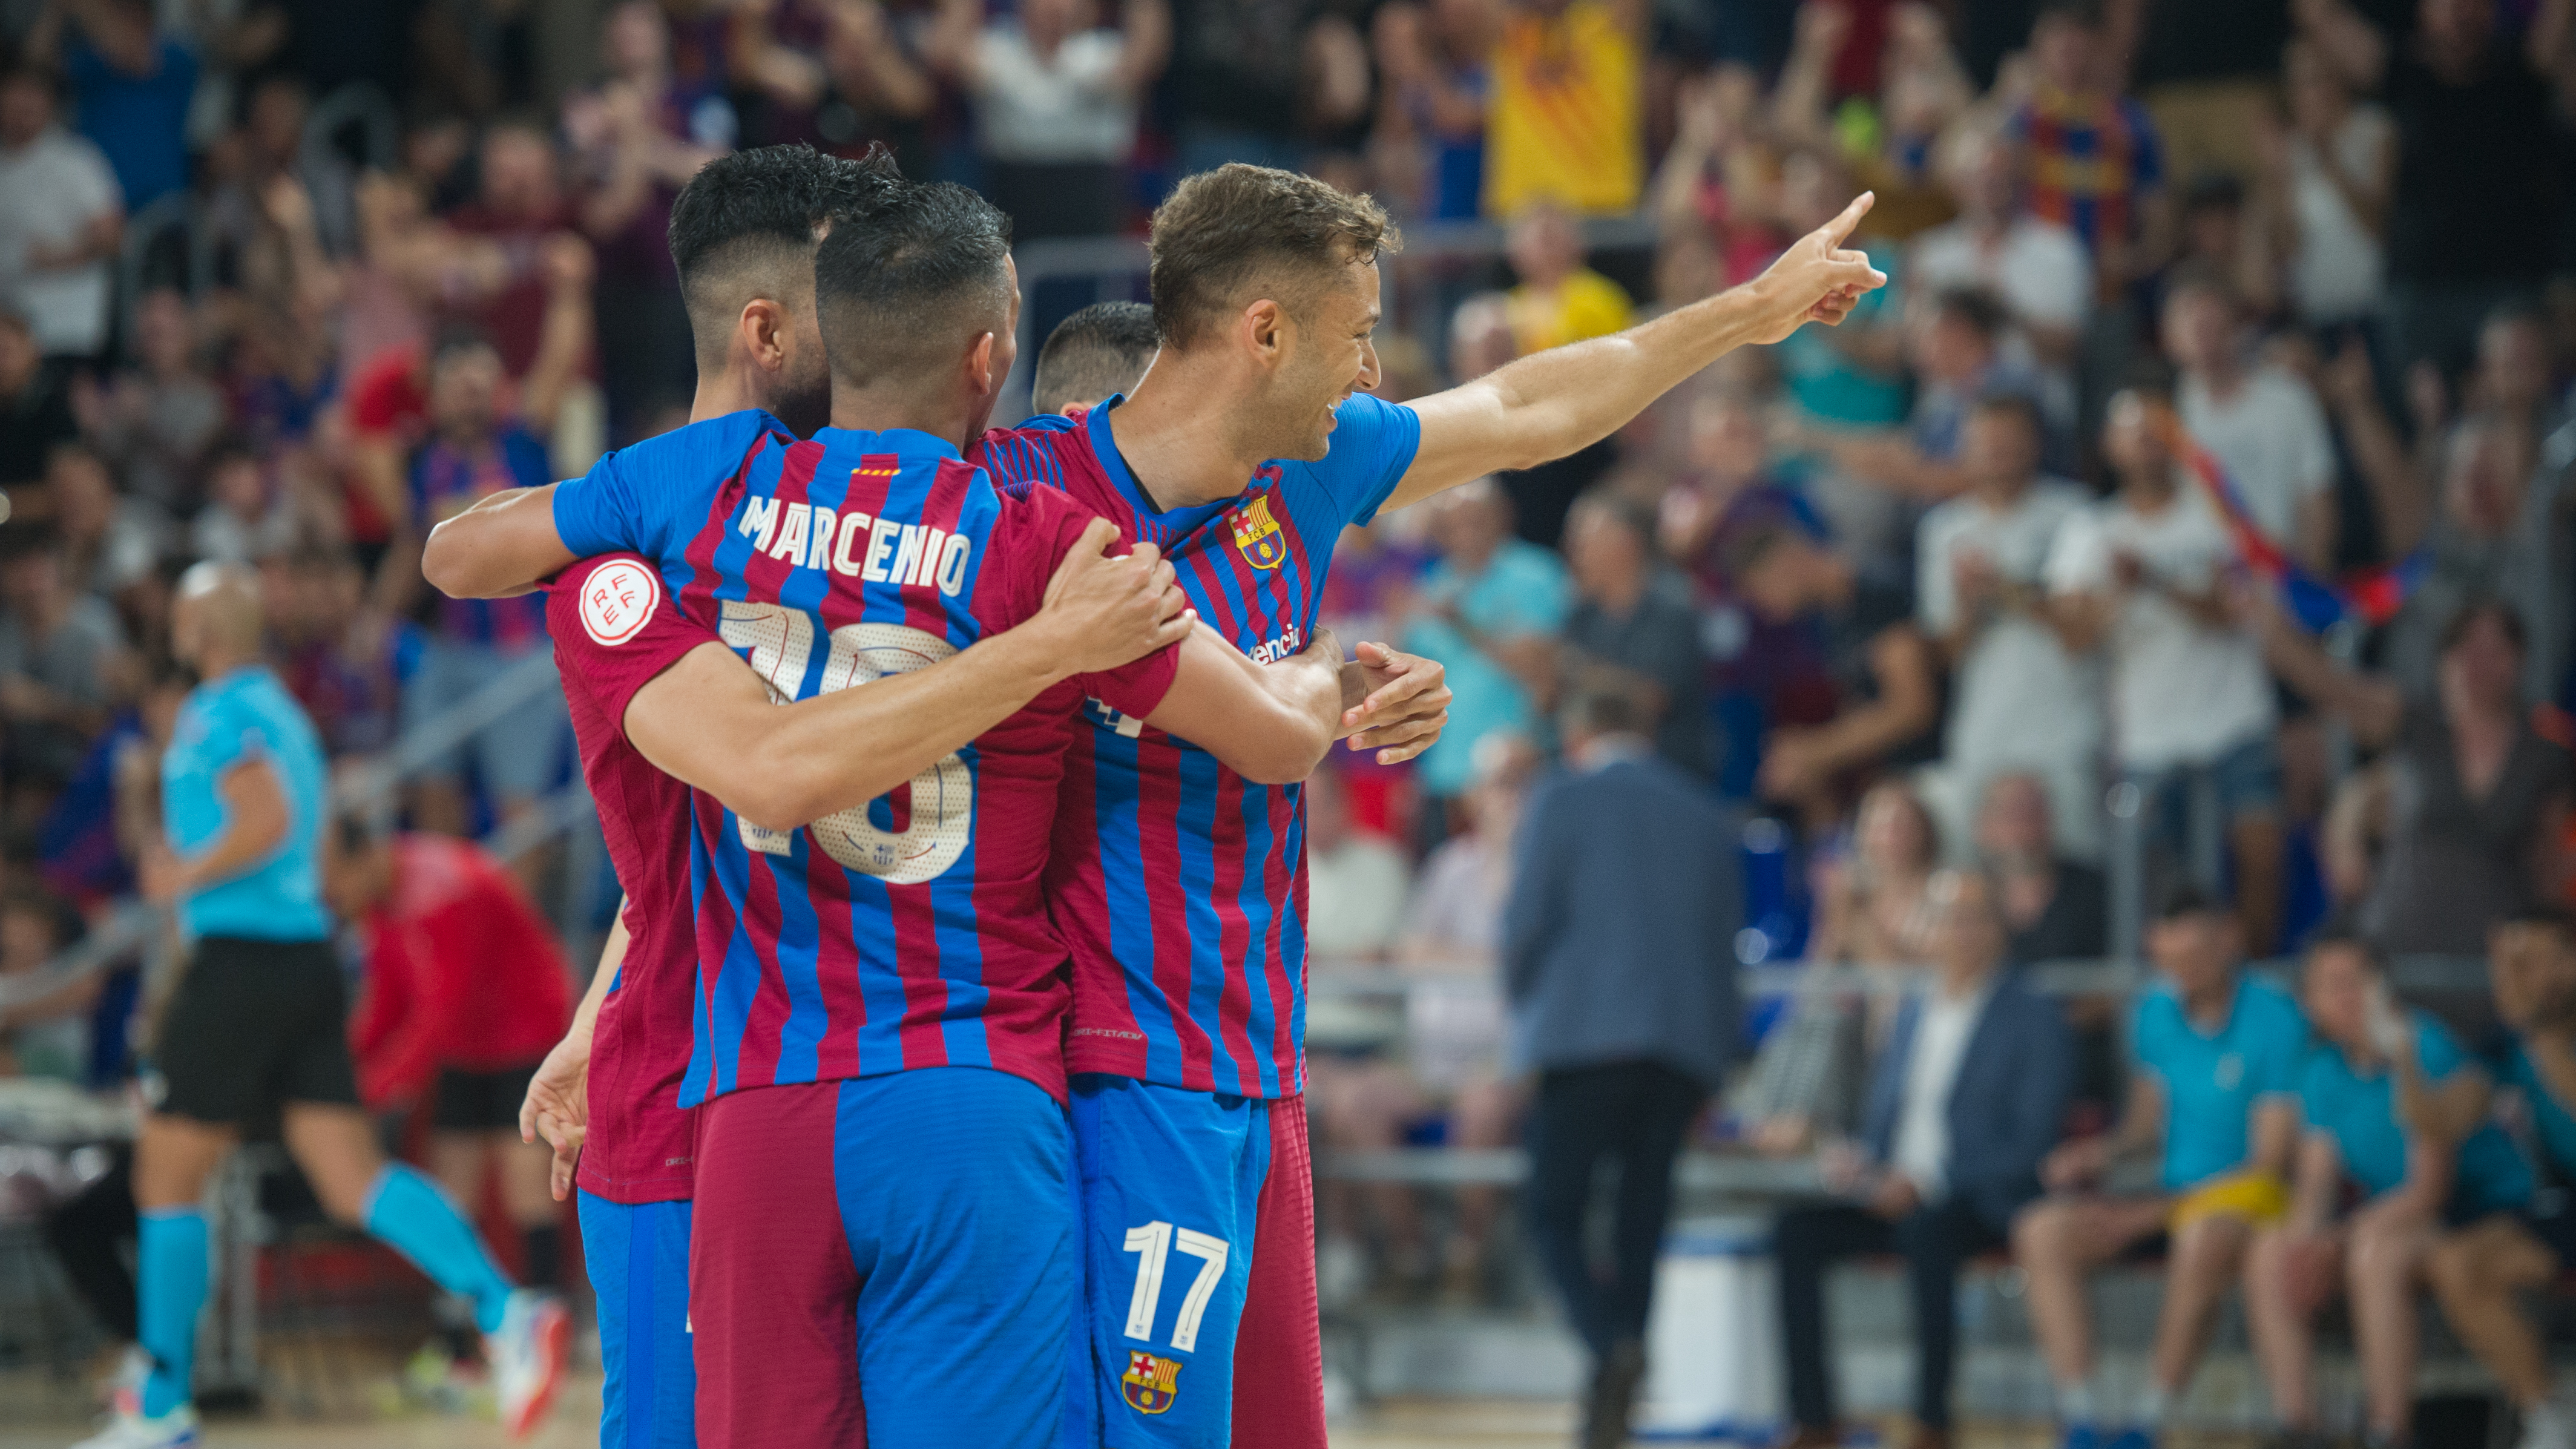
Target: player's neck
[723, 392]
[1163, 433]
[878, 410]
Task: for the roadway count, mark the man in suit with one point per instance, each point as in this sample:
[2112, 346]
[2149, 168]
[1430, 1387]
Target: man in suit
[1964, 1103]
[1619, 964]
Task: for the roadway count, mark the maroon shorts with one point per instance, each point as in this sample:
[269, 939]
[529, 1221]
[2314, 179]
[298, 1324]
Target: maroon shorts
[1279, 1349]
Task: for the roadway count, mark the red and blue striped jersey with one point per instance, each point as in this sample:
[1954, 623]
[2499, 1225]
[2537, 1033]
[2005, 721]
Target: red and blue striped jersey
[912, 931]
[1180, 886]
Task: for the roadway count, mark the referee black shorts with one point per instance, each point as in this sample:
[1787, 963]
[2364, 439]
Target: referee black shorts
[253, 1026]
[470, 1101]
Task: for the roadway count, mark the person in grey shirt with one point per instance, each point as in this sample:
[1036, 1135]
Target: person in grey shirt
[1619, 967]
[1633, 626]
[58, 654]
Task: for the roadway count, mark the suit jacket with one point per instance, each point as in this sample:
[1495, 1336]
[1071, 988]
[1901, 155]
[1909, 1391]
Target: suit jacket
[2006, 1106]
[1619, 936]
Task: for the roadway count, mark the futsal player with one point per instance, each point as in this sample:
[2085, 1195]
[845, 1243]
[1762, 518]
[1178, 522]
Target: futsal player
[256, 1033]
[884, 1165]
[1180, 885]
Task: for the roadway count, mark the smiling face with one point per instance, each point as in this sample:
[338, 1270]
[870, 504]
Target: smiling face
[1324, 356]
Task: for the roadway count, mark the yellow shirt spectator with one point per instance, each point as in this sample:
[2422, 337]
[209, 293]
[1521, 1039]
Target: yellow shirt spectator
[1565, 123]
[1586, 304]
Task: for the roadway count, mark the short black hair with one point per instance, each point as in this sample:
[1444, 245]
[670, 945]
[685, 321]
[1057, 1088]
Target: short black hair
[1974, 306]
[746, 224]
[1601, 711]
[1100, 350]
[909, 276]
[2341, 933]
[2186, 898]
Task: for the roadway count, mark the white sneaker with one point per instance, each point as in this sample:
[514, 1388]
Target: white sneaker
[2549, 1425]
[124, 1388]
[527, 1358]
[133, 1431]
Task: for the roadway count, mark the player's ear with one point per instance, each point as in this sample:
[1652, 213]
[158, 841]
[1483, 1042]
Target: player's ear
[1265, 331]
[979, 366]
[763, 331]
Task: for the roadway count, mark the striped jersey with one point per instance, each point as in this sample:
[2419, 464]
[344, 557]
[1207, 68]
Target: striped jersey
[1180, 886]
[911, 931]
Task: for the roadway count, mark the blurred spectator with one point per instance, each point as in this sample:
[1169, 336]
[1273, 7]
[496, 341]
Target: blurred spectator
[59, 651]
[834, 74]
[1056, 97]
[2477, 177]
[1872, 901]
[1558, 299]
[519, 206]
[237, 523]
[1618, 960]
[1433, 89]
[2468, 805]
[2038, 269]
[1237, 94]
[63, 224]
[131, 89]
[269, 148]
[2142, 577]
[2054, 909]
[1921, 91]
[2484, 1276]
[1728, 486]
[1489, 611]
[1633, 629]
[110, 542]
[155, 418]
[1357, 880]
[2481, 504]
[2386, 1174]
[1963, 1103]
[2020, 699]
[2261, 423]
[2329, 175]
[2207, 70]
[1712, 220]
[1956, 349]
[35, 406]
[476, 449]
[1567, 124]
[2096, 165]
[47, 1035]
[2221, 236]
[466, 989]
[1877, 694]
[340, 660]
[637, 140]
[2216, 1054]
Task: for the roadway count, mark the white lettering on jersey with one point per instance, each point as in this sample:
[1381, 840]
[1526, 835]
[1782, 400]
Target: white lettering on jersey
[854, 526]
[907, 554]
[617, 600]
[880, 546]
[952, 564]
[791, 538]
[1271, 651]
[759, 521]
[819, 553]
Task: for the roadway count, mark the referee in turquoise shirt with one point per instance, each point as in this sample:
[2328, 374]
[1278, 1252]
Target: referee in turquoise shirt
[256, 1035]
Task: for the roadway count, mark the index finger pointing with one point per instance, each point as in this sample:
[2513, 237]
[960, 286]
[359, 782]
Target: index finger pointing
[1840, 227]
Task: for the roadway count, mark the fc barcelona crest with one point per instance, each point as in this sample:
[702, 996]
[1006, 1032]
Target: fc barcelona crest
[1151, 1382]
[1257, 535]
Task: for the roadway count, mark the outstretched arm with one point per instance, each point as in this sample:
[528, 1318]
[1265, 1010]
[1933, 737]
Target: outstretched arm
[1552, 403]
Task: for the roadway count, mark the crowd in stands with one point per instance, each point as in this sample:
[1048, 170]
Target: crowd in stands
[2199, 480]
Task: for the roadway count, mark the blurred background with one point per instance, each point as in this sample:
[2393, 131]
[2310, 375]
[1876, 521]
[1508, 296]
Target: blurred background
[2189, 510]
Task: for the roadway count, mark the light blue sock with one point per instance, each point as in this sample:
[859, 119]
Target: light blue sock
[407, 1212]
[171, 1293]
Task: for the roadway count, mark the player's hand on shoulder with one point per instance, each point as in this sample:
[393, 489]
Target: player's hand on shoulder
[1403, 703]
[1104, 610]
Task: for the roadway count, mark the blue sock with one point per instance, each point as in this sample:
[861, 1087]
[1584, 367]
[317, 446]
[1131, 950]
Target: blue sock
[407, 1212]
[171, 1294]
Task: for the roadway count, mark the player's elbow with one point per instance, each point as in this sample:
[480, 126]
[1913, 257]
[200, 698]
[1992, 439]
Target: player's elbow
[1283, 755]
[447, 560]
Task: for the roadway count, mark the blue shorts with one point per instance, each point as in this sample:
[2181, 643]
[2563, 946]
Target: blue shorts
[908, 1238]
[638, 1257]
[1171, 1193]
